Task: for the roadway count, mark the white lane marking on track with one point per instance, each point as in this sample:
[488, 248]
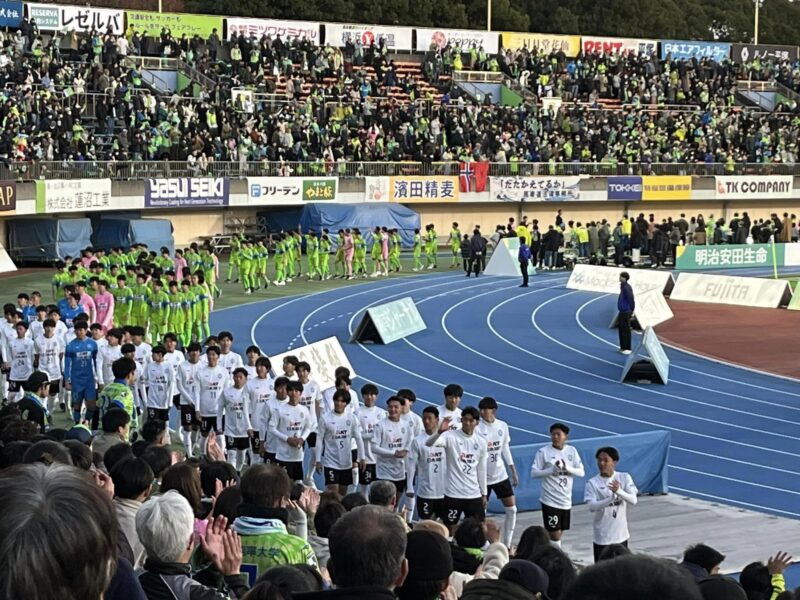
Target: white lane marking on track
[732, 501]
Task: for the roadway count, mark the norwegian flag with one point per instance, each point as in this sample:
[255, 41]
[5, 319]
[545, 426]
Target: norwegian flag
[473, 176]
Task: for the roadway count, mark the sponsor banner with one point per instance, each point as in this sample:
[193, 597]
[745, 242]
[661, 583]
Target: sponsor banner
[177, 23]
[756, 186]
[397, 38]
[178, 192]
[466, 38]
[744, 53]
[77, 18]
[624, 188]
[290, 190]
[728, 256]
[685, 50]
[8, 196]
[423, 188]
[651, 309]
[72, 195]
[534, 189]
[666, 187]
[46, 15]
[272, 28]
[593, 278]
[10, 13]
[389, 322]
[324, 357]
[546, 42]
[727, 289]
[610, 45]
[376, 189]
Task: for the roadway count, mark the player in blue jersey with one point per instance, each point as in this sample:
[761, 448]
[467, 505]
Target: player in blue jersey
[79, 372]
[71, 309]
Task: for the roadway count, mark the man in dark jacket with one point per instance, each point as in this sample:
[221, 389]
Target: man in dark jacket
[625, 306]
[477, 258]
[524, 257]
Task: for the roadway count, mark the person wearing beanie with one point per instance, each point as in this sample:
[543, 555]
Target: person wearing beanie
[430, 563]
[719, 587]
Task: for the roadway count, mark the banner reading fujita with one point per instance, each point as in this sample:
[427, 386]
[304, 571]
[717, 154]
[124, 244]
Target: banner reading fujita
[754, 186]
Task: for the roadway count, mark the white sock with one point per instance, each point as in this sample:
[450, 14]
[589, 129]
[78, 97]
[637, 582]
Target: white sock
[410, 504]
[355, 478]
[556, 543]
[363, 489]
[186, 438]
[236, 458]
[509, 524]
[51, 403]
[203, 444]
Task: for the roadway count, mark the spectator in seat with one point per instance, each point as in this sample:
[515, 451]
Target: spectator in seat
[701, 561]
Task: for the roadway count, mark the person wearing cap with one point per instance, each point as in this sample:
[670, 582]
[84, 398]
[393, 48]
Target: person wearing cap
[80, 356]
[430, 563]
[159, 377]
[19, 354]
[80, 433]
[518, 580]
[625, 305]
[32, 407]
[119, 393]
[557, 464]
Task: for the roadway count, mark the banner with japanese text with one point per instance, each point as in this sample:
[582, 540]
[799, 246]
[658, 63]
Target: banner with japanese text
[755, 186]
[546, 42]
[83, 19]
[72, 195]
[257, 28]
[745, 53]
[610, 45]
[686, 50]
[728, 256]
[179, 192]
[666, 187]
[290, 190]
[466, 38]
[423, 188]
[10, 13]
[397, 38]
[534, 189]
[177, 23]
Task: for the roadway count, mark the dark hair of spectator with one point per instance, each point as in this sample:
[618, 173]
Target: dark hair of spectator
[132, 477]
[48, 452]
[327, 514]
[354, 500]
[185, 480]
[115, 454]
[265, 486]
[558, 567]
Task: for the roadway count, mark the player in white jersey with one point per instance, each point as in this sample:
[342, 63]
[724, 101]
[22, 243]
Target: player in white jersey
[342, 382]
[414, 420]
[337, 430]
[450, 410]
[173, 358]
[139, 390]
[227, 357]
[160, 379]
[96, 331]
[278, 399]
[498, 457]
[289, 366]
[311, 400]
[369, 415]
[253, 353]
[465, 460]
[19, 356]
[186, 383]
[107, 355]
[49, 352]
[391, 439]
[211, 380]
[37, 325]
[290, 423]
[557, 465]
[427, 463]
[233, 407]
[259, 391]
[143, 350]
[608, 494]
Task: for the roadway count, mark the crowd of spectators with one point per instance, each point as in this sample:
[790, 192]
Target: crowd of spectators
[75, 98]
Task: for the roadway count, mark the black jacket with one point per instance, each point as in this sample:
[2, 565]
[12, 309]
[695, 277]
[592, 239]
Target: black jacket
[171, 581]
[477, 246]
[356, 593]
[494, 589]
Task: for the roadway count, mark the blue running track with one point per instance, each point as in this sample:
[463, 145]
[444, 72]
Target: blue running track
[546, 354]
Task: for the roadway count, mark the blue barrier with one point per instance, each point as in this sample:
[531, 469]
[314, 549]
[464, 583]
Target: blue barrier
[643, 455]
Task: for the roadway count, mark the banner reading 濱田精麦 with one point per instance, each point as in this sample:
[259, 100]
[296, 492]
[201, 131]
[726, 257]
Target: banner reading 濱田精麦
[83, 19]
[177, 23]
[423, 188]
[466, 38]
[288, 30]
[72, 195]
[687, 50]
[755, 186]
[728, 256]
[570, 45]
[177, 192]
[534, 189]
[612, 45]
[666, 187]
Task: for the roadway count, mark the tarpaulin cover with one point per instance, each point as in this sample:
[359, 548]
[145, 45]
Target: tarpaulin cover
[365, 216]
[126, 232]
[48, 239]
[280, 220]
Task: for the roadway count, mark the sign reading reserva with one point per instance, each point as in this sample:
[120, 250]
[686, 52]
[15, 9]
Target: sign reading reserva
[728, 256]
[755, 186]
[738, 291]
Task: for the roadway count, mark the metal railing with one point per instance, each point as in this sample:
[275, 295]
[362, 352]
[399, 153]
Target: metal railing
[137, 170]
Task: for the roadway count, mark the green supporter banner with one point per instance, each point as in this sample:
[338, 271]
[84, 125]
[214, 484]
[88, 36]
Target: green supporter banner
[319, 189]
[389, 322]
[178, 24]
[728, 256]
